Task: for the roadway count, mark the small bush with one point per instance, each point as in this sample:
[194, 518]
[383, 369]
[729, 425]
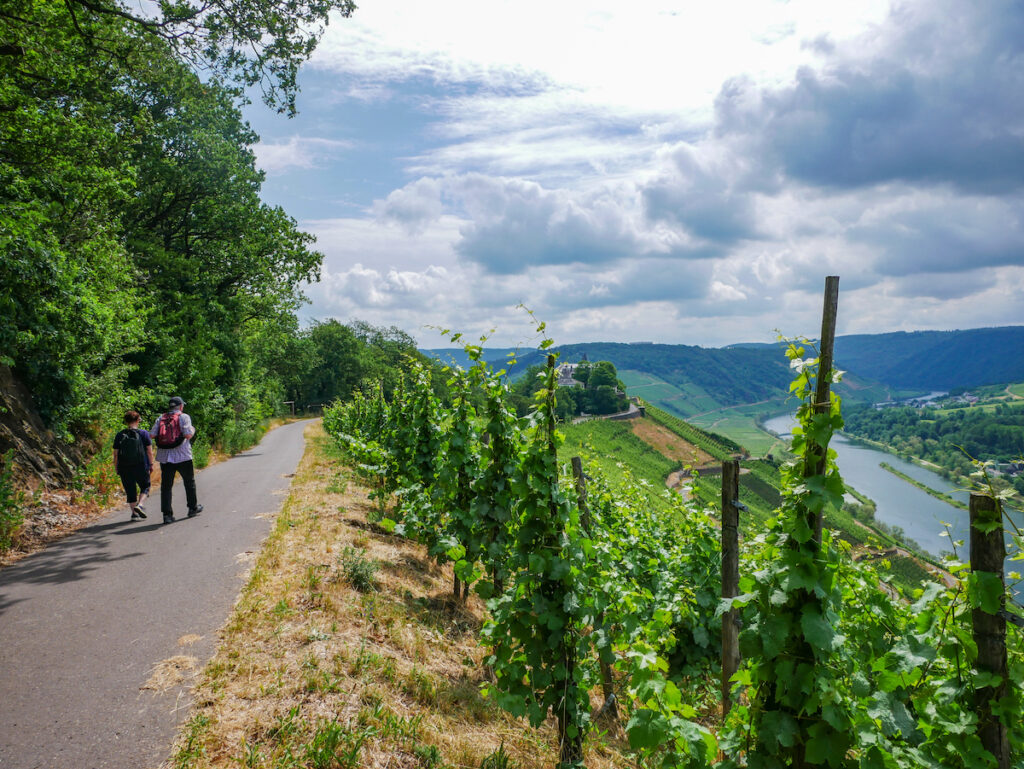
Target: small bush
[499, 759]
[358, 570]
[338, 483]
[334, 746]
[429, 756]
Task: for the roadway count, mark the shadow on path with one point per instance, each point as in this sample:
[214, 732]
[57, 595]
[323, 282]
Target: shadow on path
[67, 560]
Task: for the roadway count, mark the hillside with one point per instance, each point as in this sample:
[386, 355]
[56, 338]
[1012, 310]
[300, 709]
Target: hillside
[932, 360]
[729, 389]
[692, 382]
[732, 376]
[937, 360]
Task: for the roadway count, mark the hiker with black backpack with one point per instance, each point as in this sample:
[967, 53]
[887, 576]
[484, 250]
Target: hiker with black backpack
[173, 433]
[133, 462]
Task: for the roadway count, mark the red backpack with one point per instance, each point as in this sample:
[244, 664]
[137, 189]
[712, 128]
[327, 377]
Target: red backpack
[168, 431]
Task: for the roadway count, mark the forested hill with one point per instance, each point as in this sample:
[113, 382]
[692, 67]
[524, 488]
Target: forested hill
[936, 360]
[734, 375]
[748, 373]
[932, 360]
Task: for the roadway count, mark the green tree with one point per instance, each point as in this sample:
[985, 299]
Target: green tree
[604, 400]
[602, 374]
[339, 363]
[582, 373]
[238, 42]
[137, 256]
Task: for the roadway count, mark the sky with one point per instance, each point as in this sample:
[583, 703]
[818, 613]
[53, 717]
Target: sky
[675, 172]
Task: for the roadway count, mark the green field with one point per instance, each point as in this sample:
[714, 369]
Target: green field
[632, 378]
[739, 424]
[684, 401]
[741, 429]
[1017, 389]
[699, 398]
[679, 407]
[693, 403]
[617, 451]
[654, 390]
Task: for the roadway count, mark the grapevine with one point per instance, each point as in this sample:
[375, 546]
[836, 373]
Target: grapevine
[837, 669]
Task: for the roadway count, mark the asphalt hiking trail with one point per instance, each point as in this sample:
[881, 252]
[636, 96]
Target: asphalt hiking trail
[89, 622]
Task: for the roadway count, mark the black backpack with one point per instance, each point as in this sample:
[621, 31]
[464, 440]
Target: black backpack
[131, 452]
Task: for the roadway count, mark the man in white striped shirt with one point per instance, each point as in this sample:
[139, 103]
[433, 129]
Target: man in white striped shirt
[173, 433]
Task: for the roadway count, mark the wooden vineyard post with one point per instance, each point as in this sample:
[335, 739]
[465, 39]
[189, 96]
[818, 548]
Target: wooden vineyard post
[730, 577]
[988, 552]
[609, 708]
[829, 313]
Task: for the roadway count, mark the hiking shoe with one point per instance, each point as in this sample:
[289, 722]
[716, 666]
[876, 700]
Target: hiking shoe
[168, 519]
[139, 511]
[195, 511]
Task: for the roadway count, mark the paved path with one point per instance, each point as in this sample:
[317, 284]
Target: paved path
[84, 623]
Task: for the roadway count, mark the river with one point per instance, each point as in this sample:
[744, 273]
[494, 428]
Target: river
[920, 515]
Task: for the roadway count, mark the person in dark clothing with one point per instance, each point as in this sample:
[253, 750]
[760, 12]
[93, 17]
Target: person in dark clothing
[133, 462]
[173, 433]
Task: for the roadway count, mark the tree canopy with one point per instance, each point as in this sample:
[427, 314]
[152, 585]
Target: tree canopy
[602, 392]
[138, 260]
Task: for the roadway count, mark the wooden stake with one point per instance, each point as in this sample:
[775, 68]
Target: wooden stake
[829, 313]
[730, 577]
[608, 709]
[571, 748]
[988, 553]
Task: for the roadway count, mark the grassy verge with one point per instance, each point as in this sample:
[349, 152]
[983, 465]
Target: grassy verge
[346, 650]
[926, 489]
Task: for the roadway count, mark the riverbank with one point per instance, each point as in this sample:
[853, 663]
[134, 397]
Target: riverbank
[925, 488]
[922, 463]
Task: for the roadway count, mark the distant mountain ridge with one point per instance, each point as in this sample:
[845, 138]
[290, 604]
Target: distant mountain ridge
[937, 360]
[733, 375]
[747, 373]
[932, 360]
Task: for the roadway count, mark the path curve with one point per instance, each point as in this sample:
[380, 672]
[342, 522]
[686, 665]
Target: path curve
[84, 623]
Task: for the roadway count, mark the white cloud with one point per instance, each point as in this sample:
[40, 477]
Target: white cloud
[348, 241]
[297, 152]
[412, 207]
[646, 172]
[650, 55]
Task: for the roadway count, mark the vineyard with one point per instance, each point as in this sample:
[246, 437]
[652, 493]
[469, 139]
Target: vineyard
[605, 609]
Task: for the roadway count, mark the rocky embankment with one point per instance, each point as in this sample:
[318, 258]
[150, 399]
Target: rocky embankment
[39, 456]
[44, 467]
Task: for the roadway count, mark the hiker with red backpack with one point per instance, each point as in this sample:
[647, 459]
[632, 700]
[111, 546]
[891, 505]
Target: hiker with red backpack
[173, 434]
[133, 462]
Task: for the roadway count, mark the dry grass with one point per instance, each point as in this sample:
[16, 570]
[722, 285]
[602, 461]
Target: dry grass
[170, 672]
[346, 649]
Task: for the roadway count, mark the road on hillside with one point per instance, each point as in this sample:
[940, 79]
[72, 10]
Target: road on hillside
[85, 623]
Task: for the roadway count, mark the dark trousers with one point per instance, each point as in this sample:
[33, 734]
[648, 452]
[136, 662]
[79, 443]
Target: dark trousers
[135, 481]
[188, 477]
